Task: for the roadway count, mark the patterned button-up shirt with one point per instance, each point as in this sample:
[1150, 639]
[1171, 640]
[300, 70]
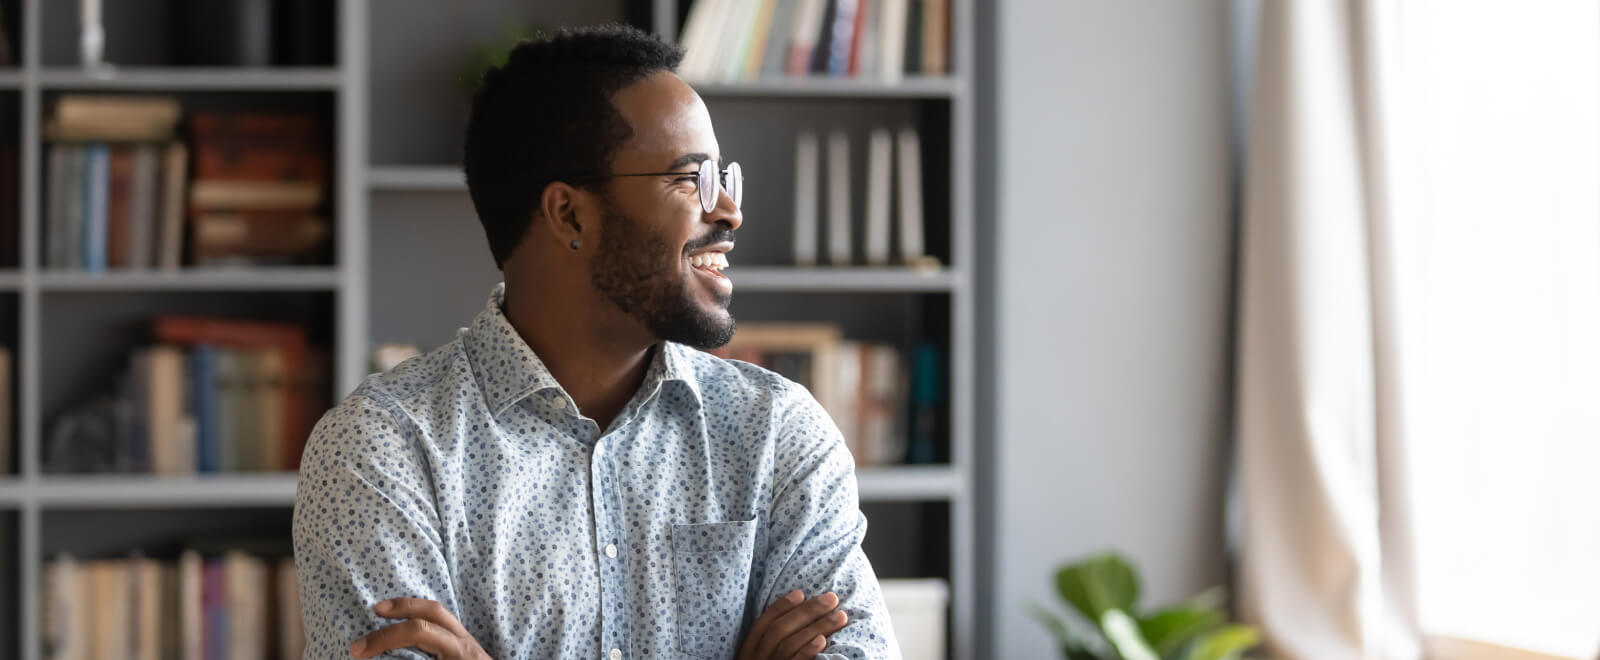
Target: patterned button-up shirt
[469, 477]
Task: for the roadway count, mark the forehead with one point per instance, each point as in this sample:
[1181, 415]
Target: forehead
[668, 120]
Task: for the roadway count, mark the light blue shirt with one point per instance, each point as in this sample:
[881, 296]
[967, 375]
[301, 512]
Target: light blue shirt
[469, 477]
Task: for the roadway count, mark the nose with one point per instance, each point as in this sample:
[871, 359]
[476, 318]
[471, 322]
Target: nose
[726, 213]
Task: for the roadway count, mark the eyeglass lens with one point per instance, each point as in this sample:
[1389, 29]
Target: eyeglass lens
[713, 182]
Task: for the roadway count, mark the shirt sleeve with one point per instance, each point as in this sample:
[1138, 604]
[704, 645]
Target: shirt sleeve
[365, 526]
[817, 526]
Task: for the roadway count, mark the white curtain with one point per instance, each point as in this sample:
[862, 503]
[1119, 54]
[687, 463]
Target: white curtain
[1419, 334]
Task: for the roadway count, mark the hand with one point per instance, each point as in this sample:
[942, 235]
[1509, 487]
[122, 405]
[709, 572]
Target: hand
[429, 627]
[793, 628]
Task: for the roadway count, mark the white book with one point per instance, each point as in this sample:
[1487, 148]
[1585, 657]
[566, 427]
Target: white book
[880, 147]
[694, 34]
[710, 46]
[142, 207]
[806, 160]
[736, 40]
[892, 39]
[839, 198]
[910, 157]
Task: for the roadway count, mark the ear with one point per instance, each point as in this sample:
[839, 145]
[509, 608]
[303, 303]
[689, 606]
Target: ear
[557, 212]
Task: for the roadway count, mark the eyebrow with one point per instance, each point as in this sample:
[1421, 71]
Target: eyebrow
[688, 159]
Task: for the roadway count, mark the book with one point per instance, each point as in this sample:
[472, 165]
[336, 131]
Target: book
[119, 199]
[803, 40]
[935, 38]
[823, 48]
[295, 236]
[839, 221]
[142, 207]
[774, 58]
[96, 193]
[807, 160]
[891, 46]
[272, 195]
[174, 180]
[880, 147]
[760, 34]
[735, 46]
[191, 609]
[912, 54]
[291, 629]
[57, 245]
[105, 117]
[165, 391]
[912, 250]
[696, 33]
[843, 38]
[864, 51]
[206, 407]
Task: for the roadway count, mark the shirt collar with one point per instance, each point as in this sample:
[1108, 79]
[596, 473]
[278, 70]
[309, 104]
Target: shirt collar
[508, 371]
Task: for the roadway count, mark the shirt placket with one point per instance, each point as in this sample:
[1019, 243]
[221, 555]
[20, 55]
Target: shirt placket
[609, 544]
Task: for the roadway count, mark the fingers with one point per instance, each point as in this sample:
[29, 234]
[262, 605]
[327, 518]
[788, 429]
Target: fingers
[811, 649]
[808, 636]
[782, 605]
[420, 633]
[793, 621]
[421, 608]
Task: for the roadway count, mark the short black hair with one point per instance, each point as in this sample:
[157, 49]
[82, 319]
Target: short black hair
[548, 114]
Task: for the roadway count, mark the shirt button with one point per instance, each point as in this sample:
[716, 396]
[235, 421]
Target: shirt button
[560, 403]
[611, 550]
[616, 654]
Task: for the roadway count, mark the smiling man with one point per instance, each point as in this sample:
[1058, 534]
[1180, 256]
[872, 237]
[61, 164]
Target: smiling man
[570, 477]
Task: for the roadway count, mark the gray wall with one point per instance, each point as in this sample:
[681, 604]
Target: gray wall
[1110, 320]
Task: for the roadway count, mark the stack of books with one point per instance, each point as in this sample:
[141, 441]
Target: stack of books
[210, 396]
[259, 187]
[230, 607]
[115, 184]
[893, 216]
[886, 408]
[731, 40]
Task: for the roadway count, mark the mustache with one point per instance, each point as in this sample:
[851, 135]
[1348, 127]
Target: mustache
[716, 236]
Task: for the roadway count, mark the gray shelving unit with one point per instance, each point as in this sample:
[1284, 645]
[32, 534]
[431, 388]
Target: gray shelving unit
[401, 201]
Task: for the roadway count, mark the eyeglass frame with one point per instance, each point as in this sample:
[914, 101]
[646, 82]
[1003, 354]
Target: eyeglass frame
[708, 203]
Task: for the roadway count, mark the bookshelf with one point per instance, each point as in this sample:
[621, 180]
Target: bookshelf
[389, 91]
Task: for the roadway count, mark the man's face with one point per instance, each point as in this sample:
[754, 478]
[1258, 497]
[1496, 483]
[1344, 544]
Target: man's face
[652, 228]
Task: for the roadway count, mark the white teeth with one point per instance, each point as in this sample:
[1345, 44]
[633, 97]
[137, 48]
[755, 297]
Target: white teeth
[709, 260]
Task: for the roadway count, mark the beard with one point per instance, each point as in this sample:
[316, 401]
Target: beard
[633, 269]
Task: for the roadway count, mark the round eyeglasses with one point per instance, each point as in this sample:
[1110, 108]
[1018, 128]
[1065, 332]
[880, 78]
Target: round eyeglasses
[710, 180]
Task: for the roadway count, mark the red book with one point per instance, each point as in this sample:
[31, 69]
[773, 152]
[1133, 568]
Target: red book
[288, 337]
[119, 208]
[259, 146]
[855, 39]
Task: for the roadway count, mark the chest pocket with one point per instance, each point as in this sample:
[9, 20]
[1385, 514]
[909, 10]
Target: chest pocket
[711, 571]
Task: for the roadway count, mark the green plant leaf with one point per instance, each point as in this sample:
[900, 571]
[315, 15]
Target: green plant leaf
[1072, 648]
[1169, 629]
[1123, 633]
[1225, 643]
[1097, 584]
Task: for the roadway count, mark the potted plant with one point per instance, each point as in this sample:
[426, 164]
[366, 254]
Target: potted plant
[1105, 590]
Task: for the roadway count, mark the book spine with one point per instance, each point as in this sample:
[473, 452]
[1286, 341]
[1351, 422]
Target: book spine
[839, 199]
[805, 199]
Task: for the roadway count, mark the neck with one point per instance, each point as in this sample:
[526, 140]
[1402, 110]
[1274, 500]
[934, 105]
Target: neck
[599, 356]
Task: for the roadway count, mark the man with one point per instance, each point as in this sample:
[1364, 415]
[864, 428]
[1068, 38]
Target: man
[569, 477]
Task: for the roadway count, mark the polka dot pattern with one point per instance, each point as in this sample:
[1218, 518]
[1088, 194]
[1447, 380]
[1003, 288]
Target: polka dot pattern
[469, 477]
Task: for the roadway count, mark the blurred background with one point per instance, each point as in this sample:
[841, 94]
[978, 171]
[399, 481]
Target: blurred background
[1158, 329]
